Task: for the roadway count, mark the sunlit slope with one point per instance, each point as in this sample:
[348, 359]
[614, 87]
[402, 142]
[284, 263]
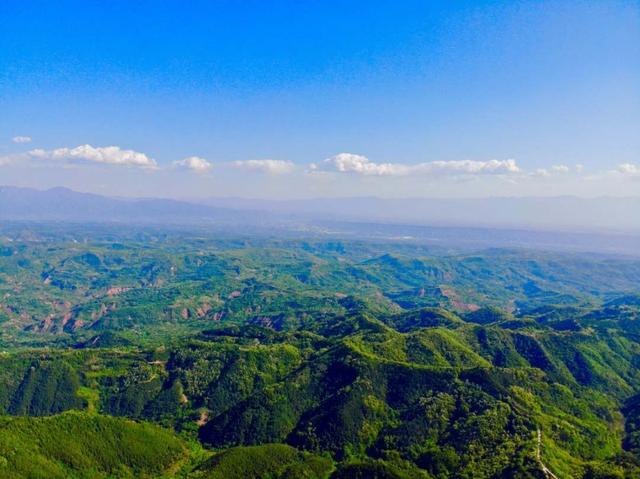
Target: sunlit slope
[78, 445]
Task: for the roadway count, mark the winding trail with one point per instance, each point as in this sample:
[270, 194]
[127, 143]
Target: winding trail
[547, 472]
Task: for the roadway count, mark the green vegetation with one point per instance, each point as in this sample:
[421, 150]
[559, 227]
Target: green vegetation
[276, 461]
[77, 445]
[177, 356]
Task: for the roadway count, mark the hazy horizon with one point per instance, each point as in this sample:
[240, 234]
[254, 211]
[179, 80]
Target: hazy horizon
[565, 214]
[312, 198]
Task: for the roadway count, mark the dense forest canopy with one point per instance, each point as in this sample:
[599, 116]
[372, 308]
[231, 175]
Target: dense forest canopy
[152, 353]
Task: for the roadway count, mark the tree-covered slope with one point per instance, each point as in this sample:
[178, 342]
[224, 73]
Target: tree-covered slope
[290, 358]
[79, 445]
[273, 461]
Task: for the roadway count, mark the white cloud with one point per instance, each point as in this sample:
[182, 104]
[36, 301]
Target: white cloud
[112, 155]
[21, 139]
[629, 169]
[350, 163]
[554, 170]
[579, 168]
[194, 163]
[274, 167]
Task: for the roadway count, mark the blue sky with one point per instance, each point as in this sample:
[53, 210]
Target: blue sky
[418, 97]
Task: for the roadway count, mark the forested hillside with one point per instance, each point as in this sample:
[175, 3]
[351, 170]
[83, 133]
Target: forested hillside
[165, 355]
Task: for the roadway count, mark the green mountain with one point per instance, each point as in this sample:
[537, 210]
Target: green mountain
[79, 445]
[190, 356]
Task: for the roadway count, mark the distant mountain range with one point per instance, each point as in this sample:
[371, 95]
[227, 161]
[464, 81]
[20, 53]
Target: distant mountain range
[555, 213]
[62, 204]
[562, 223]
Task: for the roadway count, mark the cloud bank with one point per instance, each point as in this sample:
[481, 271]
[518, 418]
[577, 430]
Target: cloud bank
[361, 165]
[111, 155]
[342, 174]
